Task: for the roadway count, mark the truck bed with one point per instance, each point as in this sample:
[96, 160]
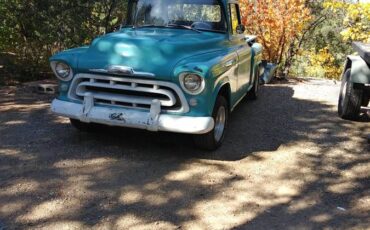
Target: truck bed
[363, 50]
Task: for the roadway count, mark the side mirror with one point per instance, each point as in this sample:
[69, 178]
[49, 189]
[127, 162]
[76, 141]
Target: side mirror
[240, 29]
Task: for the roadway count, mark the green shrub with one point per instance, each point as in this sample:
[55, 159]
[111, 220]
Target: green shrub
[33, 30]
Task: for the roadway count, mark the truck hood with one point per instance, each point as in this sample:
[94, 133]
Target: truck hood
[152, 50]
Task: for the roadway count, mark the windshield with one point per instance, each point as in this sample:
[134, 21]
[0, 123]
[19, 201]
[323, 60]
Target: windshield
[195, 14]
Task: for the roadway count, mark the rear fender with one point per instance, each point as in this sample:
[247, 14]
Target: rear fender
[360, 70]
[256, 61]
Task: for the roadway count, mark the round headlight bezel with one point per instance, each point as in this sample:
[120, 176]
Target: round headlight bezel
[185, 86]
[67, 76]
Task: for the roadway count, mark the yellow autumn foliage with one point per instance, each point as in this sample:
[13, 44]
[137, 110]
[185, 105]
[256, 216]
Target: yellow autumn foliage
[276, 22]
[356, 21]
[356, 24]
[322, 62]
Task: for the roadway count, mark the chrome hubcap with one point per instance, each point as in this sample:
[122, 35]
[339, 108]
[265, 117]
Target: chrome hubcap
[220, 123]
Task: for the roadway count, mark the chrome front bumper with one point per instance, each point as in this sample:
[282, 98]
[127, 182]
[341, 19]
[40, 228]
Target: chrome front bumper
[152, 121]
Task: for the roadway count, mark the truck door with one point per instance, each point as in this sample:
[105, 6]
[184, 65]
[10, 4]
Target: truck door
[243, 50]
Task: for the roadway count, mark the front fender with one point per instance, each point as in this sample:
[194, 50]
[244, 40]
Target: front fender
[223, 81]
[212, 67]
[70, 57]
[360, 70]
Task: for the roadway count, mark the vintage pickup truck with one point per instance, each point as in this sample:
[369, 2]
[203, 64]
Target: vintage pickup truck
[355, 88]
[175, 65]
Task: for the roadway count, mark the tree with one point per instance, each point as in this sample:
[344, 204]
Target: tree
[33, 30]
[356, 21]
[329, 42]
[277, 23]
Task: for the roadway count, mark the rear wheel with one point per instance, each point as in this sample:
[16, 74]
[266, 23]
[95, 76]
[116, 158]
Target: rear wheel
[83, 127]
[350, 99]
[214, 139]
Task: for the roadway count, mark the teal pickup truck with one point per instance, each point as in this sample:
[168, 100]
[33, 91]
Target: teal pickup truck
[175, 65]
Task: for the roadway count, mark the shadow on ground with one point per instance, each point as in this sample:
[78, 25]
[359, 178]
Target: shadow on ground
[287, 162]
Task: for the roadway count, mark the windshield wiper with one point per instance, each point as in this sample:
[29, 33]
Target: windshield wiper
[183, 27]
[150, 25]
[169, 26]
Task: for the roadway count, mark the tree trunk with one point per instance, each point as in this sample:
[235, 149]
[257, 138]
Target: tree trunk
[109, 15]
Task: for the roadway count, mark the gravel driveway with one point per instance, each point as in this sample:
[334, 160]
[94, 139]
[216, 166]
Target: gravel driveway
[288, 162]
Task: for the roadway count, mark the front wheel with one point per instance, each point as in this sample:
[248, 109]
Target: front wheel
[350, 99]
[214, 139]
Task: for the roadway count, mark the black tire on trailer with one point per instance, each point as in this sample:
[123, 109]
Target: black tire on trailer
[213, 139]
[350, 99]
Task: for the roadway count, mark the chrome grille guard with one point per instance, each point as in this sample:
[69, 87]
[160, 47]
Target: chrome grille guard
[128, 92]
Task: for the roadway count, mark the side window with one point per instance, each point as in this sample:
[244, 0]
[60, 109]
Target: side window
[235, 17]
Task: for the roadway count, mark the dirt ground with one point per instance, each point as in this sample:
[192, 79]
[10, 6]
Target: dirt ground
[288, 162]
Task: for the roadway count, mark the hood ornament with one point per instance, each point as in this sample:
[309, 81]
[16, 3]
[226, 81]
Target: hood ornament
[122, 70]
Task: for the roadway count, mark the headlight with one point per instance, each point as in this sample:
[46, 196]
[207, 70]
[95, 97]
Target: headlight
[192, 83]
[62, 70]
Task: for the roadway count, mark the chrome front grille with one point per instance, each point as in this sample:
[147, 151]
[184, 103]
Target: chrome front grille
[128, 92]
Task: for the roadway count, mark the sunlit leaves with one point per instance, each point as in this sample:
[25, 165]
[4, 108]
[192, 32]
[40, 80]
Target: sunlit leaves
[356, 22]
[322, 62]
[276, 22]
